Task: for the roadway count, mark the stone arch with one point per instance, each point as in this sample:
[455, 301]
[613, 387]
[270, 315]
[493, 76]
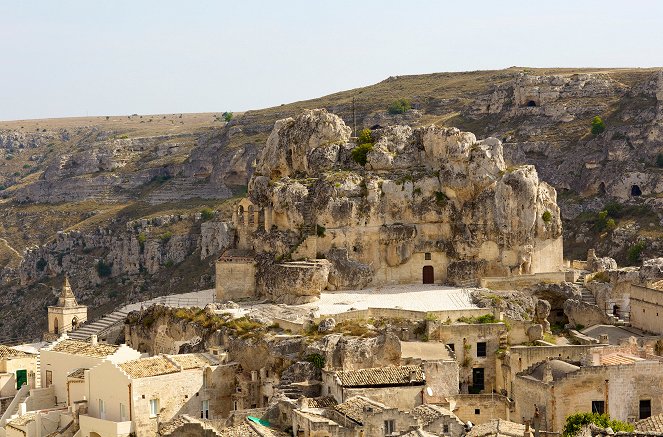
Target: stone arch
[74, 323]
[250, 211]
[635, 190]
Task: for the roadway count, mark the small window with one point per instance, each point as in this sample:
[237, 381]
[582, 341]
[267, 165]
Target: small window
[477, 411]
[204, 378]
[123, 413]
[598, 407]
[102, 409]
[235, 406]
[427, 256]
[645, 408]
[154, 407]
[481, 349]
[389, 427]
[204, 409]
[452, 347]
[445, 428]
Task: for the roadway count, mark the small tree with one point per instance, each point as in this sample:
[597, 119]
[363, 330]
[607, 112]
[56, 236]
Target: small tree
[575, 422]
[364, 137]
[597, 125]
[399, 106]
[227, 116]
[360, 153]
[547, 216]
[634, 252]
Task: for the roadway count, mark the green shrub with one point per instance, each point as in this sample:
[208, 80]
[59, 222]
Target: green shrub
[399, 106]
[207, 214]
[41, 264]
[441, 199]
[317, 360]
[634, 252]
[547, 216]
[104, 269]
[142, 238]
[575, 422]
[597, 125]
[614, 209]
[2, 187]
[365, 137]
[320, 231]
[360, 153]
[610, 224]
[227, 116]
[659, 160]
[166, 236]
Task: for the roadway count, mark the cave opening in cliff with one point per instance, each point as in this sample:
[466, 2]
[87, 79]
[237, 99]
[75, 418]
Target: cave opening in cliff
[531, 103]
[602, 191]
[635, 191]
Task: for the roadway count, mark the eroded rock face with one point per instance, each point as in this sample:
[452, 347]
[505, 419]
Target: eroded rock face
[293, 283]
[346, 273]
[555, 295]
[350, 353]
[423, 190]
[651, 270]
[596, 264]
[581, 313]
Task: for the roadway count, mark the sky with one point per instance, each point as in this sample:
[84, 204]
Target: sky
[85, 57]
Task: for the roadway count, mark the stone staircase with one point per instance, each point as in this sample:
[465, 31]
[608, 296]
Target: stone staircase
[38, 372]
[587, 296]
[99, 326]
[188, 425]
[310, 226]
[289, 390]
[12, 409]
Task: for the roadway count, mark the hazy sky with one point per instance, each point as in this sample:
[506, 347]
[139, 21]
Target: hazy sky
[92, 57]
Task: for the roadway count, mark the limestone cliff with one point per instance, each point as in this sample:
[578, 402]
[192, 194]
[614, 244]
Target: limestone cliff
[429, 190]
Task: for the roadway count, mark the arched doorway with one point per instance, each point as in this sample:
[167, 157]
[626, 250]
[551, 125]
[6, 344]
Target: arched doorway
[74, 323]
[56, 329]
[428, 275]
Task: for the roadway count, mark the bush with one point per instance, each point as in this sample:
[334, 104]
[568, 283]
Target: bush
[441, 199]
[166, 236]
[634, 252]
[659, 160]
[547, 216]
[360, 153]
[400, 106]
[575, 422]
[365, 137]
[207, 214]
[227, 116]
[2, 187]
[614, 209]
[104, 269]
[597, 125]
[142, 238]
[41, 264]
[317, 360]
[610, 225]
[320, 231]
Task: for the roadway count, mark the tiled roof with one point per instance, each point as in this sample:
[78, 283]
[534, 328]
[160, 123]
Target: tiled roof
[10, 352]
[497, 428]
[658, 285]
[193, 361]
[23, 420]
[77, 373]
[354, 408]
[146, 367]
[428, 414]
[419, 433]
[322, 402]
[650, 424]
[616, 359]
[77, 347]
[391, 375]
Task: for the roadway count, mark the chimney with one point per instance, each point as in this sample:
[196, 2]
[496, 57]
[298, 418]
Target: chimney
[547, 373]
[603, 339]
[93, 340]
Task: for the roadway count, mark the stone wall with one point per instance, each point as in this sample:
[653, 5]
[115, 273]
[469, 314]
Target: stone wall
[235, 280]
[647, 309]
[480, 408]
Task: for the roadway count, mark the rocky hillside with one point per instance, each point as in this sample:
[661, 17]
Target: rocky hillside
[128, 206]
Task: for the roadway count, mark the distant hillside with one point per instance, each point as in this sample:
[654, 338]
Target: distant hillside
[142, 197]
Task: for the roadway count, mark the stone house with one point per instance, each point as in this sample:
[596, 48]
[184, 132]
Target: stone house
[16, 368]
[138, 395]
[647, 307]
[360, 416]
[620, 381]
[252, 389]
[401, 386]
[235, 275]
[476, 348]
[64, 356]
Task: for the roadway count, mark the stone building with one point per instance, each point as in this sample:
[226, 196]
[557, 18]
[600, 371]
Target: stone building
[647, 307]
[16, 369]
[136, 396]
[430, 205]
[64, 356]
[624, 382]
[236, 275]
[67, 315]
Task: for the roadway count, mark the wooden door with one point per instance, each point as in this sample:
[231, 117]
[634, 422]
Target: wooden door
[428, 275]
[21, 378]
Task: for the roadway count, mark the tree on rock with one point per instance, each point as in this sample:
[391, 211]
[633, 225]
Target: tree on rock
[597, 125]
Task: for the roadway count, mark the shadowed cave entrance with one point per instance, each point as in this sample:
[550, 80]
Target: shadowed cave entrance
[635, 191]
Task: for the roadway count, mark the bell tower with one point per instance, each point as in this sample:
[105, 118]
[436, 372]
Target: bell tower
[67, 315]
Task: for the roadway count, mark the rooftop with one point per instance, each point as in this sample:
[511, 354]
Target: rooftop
[382, 376]
[354, 408]
[616, 334]
[77, 347]
[194, 361]
[559, 369]
[146, 367]
[10, 352]
[428, 413]
[419, 433]
[617, 359]
[425, 350]
[497, 428]
[650, 424]
[321, 402]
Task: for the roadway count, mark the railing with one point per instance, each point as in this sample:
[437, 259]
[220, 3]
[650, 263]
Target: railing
[13, 406]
